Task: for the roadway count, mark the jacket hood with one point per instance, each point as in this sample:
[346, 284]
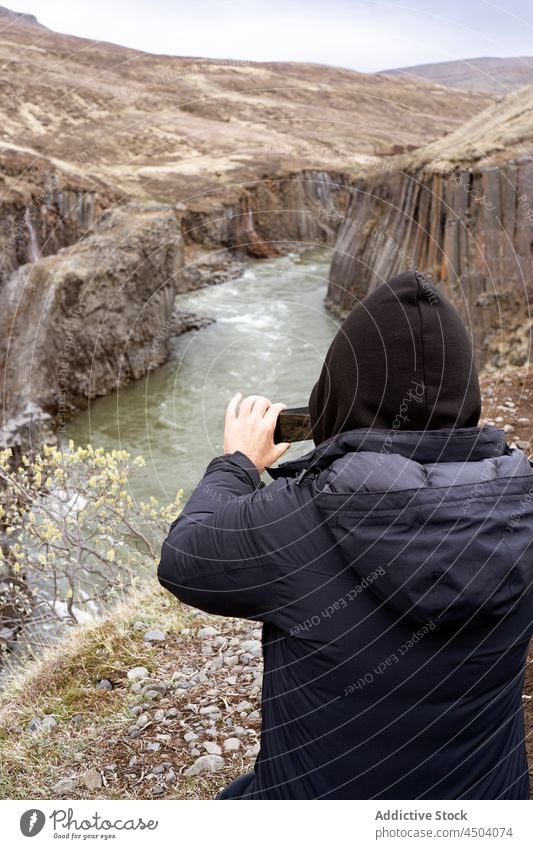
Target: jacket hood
[443, 518]
[401, 358]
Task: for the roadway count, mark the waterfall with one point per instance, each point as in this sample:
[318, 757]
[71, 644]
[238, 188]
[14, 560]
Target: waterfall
[33, 244]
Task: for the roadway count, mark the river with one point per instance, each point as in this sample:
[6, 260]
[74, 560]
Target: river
[269, 338]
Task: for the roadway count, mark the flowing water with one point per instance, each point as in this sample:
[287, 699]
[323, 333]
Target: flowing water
[269, 338]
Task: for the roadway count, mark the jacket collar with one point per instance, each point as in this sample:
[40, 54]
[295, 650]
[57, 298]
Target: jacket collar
[424, 446]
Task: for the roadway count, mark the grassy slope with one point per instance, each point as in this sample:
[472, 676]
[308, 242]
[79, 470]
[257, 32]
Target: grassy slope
[62, 684]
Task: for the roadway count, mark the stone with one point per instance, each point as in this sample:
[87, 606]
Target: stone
[137, 673]
[158, 790]
[154, 635]
[152, 694]
[190, 737]
[153, 747]
[209, 710]
[91, 779]
[212, 748]
[154, 687]
[232, 744]
[158, 770]
[64, 787]
[208, 269]
[143, 720]
[104, 684]
[206, 763]
[252, 646]
[37, 724]
[204, 633]
[243, 706]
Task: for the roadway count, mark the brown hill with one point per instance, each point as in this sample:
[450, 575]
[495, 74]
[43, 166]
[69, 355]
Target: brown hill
[490, 74]
[503, 131]
[241, 156]
[167, 127]
[20, 18]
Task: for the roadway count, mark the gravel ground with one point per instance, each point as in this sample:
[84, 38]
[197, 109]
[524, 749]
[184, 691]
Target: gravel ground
[192, 724]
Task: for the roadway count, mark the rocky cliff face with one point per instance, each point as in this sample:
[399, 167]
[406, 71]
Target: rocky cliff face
[87, 320]
[278, 213]
[460, 211]
[43, 209]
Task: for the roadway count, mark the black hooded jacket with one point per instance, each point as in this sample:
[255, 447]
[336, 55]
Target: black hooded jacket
[391, 567]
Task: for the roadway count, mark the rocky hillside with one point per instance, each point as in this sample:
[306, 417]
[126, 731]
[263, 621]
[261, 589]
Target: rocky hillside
[88, 319]
[169, 127]
[244, 157]
[490, 74]
[460, 210]
[155, 701]
[7, 16]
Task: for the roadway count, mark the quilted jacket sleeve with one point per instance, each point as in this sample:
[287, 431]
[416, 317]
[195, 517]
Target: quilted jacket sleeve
[217, 555]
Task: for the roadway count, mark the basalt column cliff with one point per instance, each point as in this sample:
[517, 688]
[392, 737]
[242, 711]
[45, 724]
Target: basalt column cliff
[461, 211]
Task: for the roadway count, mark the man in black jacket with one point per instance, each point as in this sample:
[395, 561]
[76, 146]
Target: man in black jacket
[391, 567]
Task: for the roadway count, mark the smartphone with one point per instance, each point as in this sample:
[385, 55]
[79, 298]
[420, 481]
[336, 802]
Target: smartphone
[293, 425]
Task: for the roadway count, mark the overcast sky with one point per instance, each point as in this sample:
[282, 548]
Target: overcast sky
[367, 35]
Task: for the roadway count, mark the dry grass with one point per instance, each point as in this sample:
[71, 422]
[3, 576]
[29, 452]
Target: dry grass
[62, 684]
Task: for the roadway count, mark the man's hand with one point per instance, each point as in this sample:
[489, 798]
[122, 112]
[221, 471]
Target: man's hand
[250, 429]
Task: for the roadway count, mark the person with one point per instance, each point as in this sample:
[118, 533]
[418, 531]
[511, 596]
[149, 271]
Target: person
[391, 567]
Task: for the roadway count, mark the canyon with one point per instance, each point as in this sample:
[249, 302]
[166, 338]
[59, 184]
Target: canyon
[128, 178]
[116, 164]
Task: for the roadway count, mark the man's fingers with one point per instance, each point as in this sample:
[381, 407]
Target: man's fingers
[273, 412]
[255, 404]
[231, 409]
[280, 449]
